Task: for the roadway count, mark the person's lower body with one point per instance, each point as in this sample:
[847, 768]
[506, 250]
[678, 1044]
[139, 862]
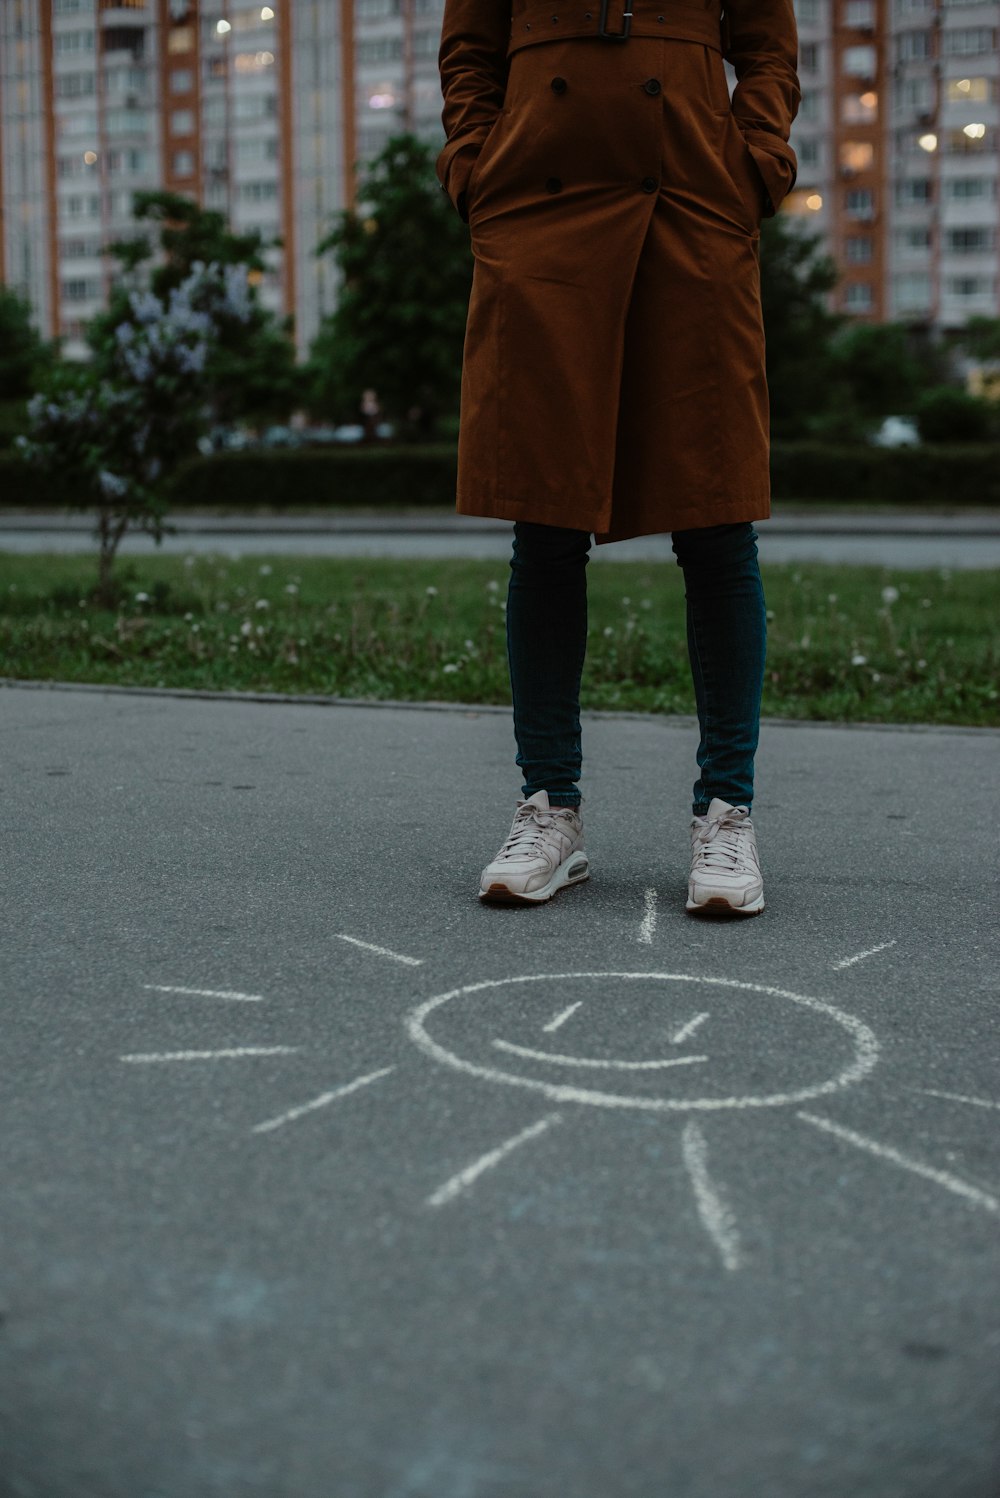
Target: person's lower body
[546, 644]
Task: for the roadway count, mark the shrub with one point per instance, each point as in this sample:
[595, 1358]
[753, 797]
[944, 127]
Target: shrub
[946, 414]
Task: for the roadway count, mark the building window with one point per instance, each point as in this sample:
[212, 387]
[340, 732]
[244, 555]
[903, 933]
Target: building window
[859, 109]
[79, 249]
[181, 81]
[977, 240]
[913, 46]
[808, 57]
[255, 106]
[82, 206]
[859, 13]
[257, 192]
[126, 122]
[808, 152]
[66, 7]
[66, 43]
[914, 190]
[259, 148]
[380, 49]
[857, 155]
[859, 203]
[859, 62]
[968, 41]
[180, 39]
[972, 140]
[182, 163]
[807, 10]
[912, 93]
[858, 297]
[858, 249]
[809, 107]
[915, 239]
[182, 122]
[80, 290]
[969, 286]
[967, 90]
[965, 189]
[253, 62]
[912, 292]
[75, 85]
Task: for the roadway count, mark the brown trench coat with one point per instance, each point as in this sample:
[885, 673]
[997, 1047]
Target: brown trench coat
[614, 378]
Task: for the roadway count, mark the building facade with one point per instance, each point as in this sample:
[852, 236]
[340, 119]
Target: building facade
[898, 140]
[264, 112]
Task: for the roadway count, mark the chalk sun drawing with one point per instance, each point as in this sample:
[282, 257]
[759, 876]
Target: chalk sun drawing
[503, 1032]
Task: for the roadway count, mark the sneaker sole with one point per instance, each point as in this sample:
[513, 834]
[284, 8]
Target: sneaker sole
[718, 905]
[570, 872]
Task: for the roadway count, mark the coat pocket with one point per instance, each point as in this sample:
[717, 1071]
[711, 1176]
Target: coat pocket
[481, 163]
[744, 173]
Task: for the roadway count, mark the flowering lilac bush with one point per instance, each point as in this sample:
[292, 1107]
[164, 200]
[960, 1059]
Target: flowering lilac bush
[111, 440]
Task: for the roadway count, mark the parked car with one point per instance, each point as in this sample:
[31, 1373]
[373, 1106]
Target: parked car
[897, 431]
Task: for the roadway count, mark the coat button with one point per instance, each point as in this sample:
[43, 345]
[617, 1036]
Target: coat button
[649, 184]
[553, 184]
[559, 85]
[653, 86]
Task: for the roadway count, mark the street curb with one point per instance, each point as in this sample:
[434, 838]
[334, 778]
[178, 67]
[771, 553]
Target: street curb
[466, 709]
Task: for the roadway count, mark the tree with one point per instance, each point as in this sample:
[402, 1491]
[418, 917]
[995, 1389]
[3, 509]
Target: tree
[980, 338]
[795, 279]
[881, 370]
[406, 273]
[112, 434]
[252, 370]
[24, 354]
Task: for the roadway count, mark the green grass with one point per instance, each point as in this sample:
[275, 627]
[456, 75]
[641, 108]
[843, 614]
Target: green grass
[845, 643]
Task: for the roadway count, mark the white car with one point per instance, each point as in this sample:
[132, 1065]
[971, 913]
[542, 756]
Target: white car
[897, 431]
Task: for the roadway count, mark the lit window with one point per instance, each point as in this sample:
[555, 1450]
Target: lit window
[253, 62]
[859, 109]
[857, 155]
[180, 39]
[967, 90]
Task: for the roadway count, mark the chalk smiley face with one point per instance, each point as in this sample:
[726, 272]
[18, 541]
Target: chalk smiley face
[492, 1030]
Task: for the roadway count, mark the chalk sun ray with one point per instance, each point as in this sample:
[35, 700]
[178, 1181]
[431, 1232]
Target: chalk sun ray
[463, 1179]
[944, 1178]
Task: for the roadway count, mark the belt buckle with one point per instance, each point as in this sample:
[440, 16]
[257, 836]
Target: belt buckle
[615, 36]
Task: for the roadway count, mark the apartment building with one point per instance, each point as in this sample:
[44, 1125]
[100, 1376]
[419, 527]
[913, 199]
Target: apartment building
[264, 110]
[898, 140]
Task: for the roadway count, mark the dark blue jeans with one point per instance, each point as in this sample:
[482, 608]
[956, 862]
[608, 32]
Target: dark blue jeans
[547, 643]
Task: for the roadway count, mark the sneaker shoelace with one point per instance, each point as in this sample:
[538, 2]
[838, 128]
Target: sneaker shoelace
[527, 833]
[723, 843]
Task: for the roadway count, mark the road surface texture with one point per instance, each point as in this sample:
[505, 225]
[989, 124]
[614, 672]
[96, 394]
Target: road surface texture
[884, 540]
[322, 1180]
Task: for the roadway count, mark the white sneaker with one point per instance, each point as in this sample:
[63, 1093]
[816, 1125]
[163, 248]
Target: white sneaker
[725, 868]
[543, 853]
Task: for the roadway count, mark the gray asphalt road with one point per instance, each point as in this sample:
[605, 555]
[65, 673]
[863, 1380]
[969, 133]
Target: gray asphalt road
[322, 1181]
[901, 541]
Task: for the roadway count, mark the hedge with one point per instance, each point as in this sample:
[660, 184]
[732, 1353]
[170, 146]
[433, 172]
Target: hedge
[392, 476]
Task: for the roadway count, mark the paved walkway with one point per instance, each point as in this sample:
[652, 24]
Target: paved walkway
[882, 539]
[322, 1181]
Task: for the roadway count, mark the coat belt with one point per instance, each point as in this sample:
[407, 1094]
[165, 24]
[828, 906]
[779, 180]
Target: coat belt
[682, 20]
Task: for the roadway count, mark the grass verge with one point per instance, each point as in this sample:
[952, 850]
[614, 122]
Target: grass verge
[845, 643]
